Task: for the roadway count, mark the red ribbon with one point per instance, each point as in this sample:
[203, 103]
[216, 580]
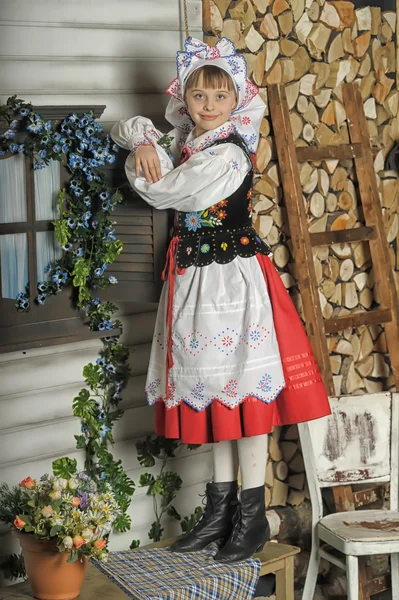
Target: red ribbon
[185, 155]
[169, 274]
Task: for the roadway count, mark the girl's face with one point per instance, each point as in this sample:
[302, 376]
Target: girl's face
[209, 108]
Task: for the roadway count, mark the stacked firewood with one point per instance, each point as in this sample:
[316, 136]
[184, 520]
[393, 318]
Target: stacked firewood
[313, 47]
[285, 472]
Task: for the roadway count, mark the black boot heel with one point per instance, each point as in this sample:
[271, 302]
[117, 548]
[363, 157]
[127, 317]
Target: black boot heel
[217, 521]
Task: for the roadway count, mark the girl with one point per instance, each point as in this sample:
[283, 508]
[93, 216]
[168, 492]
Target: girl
[230, 358]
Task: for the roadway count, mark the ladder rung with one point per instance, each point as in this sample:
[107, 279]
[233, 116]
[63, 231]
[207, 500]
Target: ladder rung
[372, 317]
[343, 235]
[346, 151]
[342, 152]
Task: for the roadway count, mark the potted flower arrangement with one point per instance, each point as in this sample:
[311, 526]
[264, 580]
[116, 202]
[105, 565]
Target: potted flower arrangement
[62, 522]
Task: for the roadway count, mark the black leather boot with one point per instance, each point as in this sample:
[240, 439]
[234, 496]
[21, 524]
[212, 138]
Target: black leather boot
[216, 523]
[251, 530]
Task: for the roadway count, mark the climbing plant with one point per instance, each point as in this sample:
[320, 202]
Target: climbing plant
[164, 486]
[85, 231]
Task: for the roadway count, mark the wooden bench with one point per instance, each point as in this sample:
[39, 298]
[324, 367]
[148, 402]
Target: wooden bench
[279, 560]
[275, 558]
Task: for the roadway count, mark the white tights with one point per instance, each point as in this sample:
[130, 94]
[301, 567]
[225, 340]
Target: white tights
[250, 453]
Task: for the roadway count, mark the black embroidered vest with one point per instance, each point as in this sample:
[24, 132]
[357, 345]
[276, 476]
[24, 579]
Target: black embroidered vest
[222, 231]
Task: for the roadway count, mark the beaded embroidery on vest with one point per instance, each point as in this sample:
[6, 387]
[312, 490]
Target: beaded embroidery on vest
[222, 231]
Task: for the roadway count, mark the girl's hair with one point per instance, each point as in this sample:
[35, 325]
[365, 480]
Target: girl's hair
[212, 77]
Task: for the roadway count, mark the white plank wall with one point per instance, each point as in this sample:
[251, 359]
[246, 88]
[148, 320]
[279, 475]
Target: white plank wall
[37, 425]
[120, 53]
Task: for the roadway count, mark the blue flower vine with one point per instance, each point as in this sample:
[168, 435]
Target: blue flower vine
[86, 234]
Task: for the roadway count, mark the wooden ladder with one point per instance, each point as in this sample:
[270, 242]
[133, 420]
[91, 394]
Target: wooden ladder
[303, 241]
[359, 149]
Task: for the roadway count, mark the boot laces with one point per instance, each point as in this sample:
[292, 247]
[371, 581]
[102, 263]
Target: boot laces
[207, 503]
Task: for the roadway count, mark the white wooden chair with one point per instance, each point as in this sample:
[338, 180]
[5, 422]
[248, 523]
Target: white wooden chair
[358, 443]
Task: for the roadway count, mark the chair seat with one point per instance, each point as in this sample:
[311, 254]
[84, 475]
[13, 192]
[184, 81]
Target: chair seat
[361, 528]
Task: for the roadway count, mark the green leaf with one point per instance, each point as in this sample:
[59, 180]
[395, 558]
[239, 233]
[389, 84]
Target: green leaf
[157, 487]
[61, 231]
[113, 250]
[172, 512]
[123, 523]
[26, 518]
[125, 486]
[65, 467]
[156, 531]
[104, 455]
[74, 555]
[146, 479]
[56, 504]
[92, 374]
[80, 272]
[117, 197]
[54, 531]
[188, 523]
[155, 447]
[134, 544]
[80, 441]
[61, 200]
[171, 483]
[83, 405]
[166, 142]
[84, 296]
[143, 455]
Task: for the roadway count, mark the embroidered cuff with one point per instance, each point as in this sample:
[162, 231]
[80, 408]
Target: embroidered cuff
[151, 138]
[137, 145]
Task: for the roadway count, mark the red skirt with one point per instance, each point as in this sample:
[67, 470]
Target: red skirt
[304, 397]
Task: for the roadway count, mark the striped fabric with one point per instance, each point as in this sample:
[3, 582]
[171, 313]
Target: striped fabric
[159, 574]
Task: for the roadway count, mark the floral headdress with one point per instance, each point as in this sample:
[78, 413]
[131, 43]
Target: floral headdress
[250, 109]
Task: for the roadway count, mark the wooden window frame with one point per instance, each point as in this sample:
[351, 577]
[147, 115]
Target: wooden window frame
[58, 321]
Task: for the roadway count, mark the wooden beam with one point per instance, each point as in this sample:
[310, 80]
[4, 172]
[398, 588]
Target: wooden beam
[372, 317]
[343, 236]
[342, 152]
[343, 498]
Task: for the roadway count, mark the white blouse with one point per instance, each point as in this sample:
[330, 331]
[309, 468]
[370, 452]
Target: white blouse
[183, 187]
[224, 343]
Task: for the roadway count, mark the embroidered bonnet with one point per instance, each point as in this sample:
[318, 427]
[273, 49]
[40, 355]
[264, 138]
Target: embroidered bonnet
[247, 117]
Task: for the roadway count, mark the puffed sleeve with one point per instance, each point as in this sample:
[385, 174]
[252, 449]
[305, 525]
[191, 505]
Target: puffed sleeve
[205, 178]
[134, 132]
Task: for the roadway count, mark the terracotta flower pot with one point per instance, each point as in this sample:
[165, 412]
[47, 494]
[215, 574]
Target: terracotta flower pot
[49, 574]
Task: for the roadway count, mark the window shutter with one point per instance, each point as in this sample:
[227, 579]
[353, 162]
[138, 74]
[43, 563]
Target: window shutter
[144, 232]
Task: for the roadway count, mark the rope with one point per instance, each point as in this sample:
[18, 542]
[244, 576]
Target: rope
[186, 18]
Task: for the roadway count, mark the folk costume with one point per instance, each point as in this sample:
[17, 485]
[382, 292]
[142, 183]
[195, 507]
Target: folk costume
[230, 358]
